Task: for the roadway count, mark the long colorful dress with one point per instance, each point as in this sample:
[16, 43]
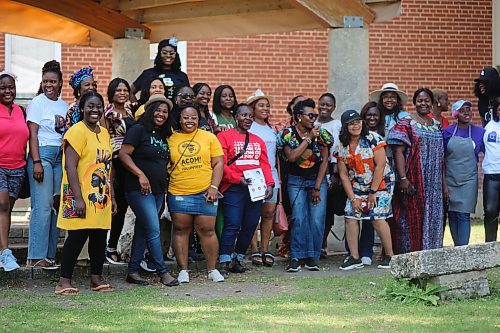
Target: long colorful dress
[418, 222]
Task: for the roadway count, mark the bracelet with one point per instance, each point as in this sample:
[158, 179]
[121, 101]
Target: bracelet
[352, 200]
[403, 178]
[214, 187]
[317, 189]
[37, 161]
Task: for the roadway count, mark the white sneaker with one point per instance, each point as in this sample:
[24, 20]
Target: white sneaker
[215, 276]
[183, 276]
[367, 261]
[7, 261]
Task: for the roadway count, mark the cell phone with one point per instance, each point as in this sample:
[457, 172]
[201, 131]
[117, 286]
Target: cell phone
[219, 195]
[412, 191]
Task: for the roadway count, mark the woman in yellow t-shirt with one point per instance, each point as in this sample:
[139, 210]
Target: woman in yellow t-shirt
[87, 198]
[195, 169]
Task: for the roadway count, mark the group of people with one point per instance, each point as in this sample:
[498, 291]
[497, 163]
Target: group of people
[220, 169]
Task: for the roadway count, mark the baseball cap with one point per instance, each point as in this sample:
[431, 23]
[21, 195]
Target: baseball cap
[349, 116]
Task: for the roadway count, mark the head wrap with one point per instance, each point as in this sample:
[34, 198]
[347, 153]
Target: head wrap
[79, 76]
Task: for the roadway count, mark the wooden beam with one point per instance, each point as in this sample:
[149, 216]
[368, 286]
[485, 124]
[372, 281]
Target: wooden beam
[332, 12]
[130, 5]
[90, 14]
[275, 21]
[210, 9]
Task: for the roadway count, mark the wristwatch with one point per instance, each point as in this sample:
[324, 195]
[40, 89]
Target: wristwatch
[372, 191]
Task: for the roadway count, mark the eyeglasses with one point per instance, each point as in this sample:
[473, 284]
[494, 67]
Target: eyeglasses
[311, 115]
[186, 96]
[388, 97]
[168, 53]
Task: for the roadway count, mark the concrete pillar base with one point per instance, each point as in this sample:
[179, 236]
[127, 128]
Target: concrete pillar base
[348, 51]
[129, 58]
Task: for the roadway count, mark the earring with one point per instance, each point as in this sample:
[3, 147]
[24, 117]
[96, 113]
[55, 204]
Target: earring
[439, 104]
[300, 120]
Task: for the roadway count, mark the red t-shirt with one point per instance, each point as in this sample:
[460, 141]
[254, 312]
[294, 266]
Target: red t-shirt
[254, 157]
[14, 135]
[445, 123]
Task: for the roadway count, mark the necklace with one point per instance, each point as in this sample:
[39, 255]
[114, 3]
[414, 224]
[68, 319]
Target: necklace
[228, 120]
[424, 121]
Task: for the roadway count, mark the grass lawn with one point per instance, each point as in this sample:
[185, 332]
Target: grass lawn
[300, 304]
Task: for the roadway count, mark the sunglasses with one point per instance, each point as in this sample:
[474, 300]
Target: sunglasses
[186, 96]
[312, 116]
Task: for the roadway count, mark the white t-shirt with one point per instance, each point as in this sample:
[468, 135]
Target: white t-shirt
[491, 139]
[333, 127]
[50, 116]
[268, 135]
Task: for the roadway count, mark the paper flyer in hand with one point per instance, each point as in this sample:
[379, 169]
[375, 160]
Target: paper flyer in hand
[258, 187]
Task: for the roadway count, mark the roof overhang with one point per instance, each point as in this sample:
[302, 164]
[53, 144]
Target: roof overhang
[97, 23]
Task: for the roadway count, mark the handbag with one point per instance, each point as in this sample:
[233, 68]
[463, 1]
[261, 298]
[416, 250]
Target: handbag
[280, 224]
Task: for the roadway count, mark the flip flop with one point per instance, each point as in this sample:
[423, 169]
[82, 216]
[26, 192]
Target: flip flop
[102, 288]
[69, 291]
[256, 258]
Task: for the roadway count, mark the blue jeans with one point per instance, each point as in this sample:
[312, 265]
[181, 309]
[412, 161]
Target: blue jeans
[366, 240]
[43, 234]
[241, 217]
[459, 227]
[146, 231]
[308, 220]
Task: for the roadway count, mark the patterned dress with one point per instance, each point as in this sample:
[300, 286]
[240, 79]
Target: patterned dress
[418, 218]
[360, 166]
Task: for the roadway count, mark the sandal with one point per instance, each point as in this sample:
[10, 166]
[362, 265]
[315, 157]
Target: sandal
[268, 259]
[70, 291]
[257, 259]
[102, 288]
[113, 257]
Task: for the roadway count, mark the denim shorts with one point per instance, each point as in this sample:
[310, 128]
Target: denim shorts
[193, 204]
[11, 180]
[274, 198]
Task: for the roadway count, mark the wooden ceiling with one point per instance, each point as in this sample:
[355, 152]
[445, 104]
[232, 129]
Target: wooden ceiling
[98, 22]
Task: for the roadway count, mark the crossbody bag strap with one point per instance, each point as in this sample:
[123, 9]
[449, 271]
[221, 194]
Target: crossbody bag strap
[241, 152]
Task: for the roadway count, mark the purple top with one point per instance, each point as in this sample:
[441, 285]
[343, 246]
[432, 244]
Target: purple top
[476, 134]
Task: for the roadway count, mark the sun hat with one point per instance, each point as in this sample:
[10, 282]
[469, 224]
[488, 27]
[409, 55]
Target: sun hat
[349, 116]
[259, 94]
[10, 74]
[375, 95]
[458, 105]
[158, 98]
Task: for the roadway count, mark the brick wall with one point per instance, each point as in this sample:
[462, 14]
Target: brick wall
[435, 43]
[283, 65]
[2, 51]
[76, 57]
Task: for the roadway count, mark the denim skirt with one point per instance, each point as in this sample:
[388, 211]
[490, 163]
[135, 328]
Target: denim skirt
[193, 204]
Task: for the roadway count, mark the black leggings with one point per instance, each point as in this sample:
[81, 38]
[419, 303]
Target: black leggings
[73, 246]
[118, 219]
[491, 205]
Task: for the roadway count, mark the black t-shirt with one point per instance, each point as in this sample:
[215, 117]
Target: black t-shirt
[151, 155]
[171, 80]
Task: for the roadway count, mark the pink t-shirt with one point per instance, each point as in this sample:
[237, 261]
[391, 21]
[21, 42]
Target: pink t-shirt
[14, 135]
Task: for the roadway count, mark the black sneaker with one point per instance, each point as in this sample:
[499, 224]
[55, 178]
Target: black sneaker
[351, 263]
[323, 254]
[237, 267]
[294, 266]
[386, 263]
[311, 265]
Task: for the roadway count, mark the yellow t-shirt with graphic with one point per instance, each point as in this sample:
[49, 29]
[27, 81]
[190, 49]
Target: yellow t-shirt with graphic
[93, 170]
[193, 171]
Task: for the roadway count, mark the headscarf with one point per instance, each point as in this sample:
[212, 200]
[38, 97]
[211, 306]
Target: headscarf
[79, 76]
